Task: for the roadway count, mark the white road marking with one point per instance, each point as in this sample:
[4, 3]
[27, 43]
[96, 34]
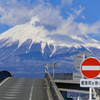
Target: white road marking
[9, 97]
[30, 98]
[10, 94]
[13, 92]
[4, 81]
[17, 85]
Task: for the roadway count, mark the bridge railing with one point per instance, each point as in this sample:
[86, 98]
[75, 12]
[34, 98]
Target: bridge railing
[62, 76]
[53, 88]
[4, 74]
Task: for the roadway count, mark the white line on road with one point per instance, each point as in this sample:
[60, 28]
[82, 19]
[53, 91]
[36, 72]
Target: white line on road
[9, 98]
[8, 94]
[4, 81]
[13, 92]
[30, 98]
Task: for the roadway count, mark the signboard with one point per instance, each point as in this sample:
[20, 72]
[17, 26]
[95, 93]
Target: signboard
[47, 66]
[78, 59]
[90, 67]
[54, 65]
[90, 82]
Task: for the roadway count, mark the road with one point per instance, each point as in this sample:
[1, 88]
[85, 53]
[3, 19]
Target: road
[23, 89]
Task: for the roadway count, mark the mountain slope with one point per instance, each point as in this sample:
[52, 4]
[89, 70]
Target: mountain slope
[38, 34]
[27, 48]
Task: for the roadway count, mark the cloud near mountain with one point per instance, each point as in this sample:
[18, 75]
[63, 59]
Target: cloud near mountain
[18, 12]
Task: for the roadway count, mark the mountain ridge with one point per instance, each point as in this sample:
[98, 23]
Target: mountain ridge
[26, 48]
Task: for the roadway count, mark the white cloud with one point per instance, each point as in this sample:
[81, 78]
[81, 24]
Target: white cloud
[14, 12]
[71, 27]
[83, 17]
[78, 11]
[95, 28]
[68, 2]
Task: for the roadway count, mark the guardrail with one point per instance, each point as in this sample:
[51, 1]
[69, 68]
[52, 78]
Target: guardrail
[4, 74]
[53, 88]
[62, 76]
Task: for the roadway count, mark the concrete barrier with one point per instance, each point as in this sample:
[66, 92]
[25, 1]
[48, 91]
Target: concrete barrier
[53, 88]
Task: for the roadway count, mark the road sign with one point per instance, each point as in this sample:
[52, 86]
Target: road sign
[78, 59]
[47, 66]
[89, 82]
[46, 70]
[90, 67]
[54, 65]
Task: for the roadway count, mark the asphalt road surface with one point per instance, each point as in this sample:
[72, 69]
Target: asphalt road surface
[23, 89]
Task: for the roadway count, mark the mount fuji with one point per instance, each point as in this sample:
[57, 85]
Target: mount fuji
[26, 49]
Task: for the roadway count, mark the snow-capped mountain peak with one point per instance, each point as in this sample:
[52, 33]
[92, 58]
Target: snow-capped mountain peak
[29, 46]
[39, 34]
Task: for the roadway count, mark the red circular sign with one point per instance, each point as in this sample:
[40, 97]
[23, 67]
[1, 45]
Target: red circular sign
[90, 67]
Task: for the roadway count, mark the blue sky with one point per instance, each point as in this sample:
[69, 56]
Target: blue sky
[75, 17]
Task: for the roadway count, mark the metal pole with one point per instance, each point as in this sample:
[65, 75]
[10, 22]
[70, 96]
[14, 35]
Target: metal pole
[53, 73]
[90, 93]
[78, 98]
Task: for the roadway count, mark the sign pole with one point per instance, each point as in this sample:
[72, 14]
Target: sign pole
[54, 65]
[90, 93]
[53, 73]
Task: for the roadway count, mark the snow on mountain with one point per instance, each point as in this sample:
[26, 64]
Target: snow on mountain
[38, 34]
[25, 47]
